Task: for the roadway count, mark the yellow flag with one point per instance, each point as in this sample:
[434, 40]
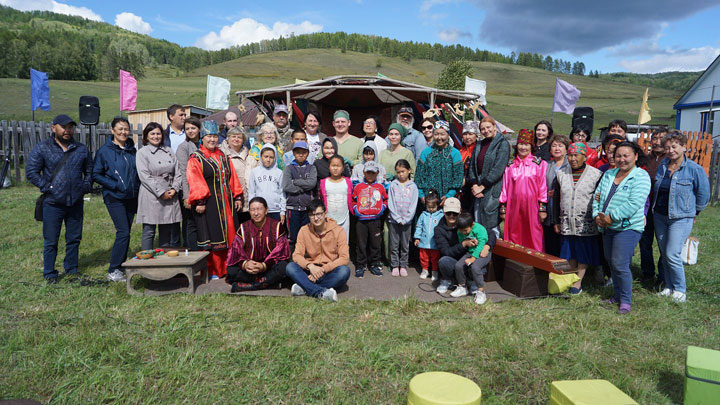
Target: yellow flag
[644, 115]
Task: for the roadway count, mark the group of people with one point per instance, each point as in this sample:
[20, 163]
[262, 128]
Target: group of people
[281, 208]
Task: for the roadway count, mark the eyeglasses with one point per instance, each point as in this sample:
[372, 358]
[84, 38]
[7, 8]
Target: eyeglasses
[369, 123]
[316, 214]
[424, 127]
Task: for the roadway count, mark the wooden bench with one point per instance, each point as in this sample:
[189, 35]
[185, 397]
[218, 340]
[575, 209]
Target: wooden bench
[164, 268]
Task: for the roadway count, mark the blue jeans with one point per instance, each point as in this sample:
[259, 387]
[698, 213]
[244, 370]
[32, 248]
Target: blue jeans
[53, 218]
[446, 265]
[334, 279]
[122, 213]
[619, 248]
[295, 220]
[671, 234]
[647, 261]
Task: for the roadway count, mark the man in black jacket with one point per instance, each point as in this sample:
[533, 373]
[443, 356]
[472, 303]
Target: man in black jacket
[447, 242]
[63, 192]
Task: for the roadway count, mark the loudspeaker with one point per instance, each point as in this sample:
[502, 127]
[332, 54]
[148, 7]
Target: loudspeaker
[583, 117]
[89, 110]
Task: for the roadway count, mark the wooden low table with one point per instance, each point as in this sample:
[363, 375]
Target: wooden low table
[164, 268]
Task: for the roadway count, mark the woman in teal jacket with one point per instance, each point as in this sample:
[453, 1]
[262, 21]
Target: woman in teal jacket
[681, 191]
[619, 212]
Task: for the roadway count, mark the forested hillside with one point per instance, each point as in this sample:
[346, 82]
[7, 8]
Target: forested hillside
[73, 48]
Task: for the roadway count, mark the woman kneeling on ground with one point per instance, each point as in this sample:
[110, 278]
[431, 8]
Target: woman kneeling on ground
[260, 251]
[321, 257]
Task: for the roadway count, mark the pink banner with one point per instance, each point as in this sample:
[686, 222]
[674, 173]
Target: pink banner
[128, 91]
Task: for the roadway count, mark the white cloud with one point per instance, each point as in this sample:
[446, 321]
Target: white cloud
[132, 22]
[692, 59]
[248, 30]
[452, 35]
[51, 5]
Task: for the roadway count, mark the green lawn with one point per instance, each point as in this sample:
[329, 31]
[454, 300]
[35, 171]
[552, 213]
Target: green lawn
[92, 344]
[518, 96]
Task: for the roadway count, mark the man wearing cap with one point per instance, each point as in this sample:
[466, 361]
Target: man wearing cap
[60, 168]
[349, 146]
[282, 123]
[414, 140]
[447, 242]
[298, 182]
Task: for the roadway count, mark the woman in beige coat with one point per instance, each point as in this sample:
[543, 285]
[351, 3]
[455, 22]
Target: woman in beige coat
[160, 181]
[234, 148]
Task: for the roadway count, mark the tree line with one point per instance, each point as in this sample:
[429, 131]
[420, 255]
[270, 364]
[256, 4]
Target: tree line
[74, 48]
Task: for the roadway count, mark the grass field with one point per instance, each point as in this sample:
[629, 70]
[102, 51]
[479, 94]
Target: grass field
[95, 344]
[518, 96]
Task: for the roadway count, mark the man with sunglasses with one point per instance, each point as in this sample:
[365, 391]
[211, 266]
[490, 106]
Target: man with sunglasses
[451, 249]
[414, 140]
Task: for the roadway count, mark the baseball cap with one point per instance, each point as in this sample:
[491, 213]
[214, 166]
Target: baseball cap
[301, 145]
[371, 166]
[280, 108]
[452, 204]
[63, 119]
[406, 111]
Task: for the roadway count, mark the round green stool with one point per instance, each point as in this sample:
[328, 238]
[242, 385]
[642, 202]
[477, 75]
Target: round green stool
[440, 388]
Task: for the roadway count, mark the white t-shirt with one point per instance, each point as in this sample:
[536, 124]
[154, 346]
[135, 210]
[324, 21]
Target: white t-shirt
[313, 142]
[337, 206]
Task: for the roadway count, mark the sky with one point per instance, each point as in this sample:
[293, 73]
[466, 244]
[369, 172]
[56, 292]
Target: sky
[610, 36]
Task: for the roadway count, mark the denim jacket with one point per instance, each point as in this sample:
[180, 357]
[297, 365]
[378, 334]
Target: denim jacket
[689, 189]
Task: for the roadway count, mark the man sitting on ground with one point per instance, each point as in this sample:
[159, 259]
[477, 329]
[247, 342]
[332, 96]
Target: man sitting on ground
[321, 257]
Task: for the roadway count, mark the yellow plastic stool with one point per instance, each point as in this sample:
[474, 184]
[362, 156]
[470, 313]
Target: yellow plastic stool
[587, 392]
[440, 388]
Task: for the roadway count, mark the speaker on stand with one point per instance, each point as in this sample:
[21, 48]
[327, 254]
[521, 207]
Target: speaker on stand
[583, 117]
[89, 112]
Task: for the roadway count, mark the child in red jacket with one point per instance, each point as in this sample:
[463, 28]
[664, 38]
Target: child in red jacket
[369, 204]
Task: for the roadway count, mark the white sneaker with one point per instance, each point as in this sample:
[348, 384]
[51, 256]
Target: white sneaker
[116, 276]
[480, 297]
[330, 295]
[424, 274]
[296, 290]
[443, 287]
[665, 293]
[609, 283]
[460, 291]
[435, 276]
[678, 296]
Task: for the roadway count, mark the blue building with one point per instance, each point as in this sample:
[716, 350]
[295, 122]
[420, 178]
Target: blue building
[693, 108]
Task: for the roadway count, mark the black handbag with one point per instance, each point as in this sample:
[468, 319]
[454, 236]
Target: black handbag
[39, 201]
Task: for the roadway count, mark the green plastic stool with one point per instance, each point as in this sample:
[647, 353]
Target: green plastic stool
[587, 392]
[702, 376]
[440, 388]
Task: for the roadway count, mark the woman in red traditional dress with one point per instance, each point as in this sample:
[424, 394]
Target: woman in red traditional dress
[216, 198]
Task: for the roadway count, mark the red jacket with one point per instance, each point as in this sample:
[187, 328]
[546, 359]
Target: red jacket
[369, 200]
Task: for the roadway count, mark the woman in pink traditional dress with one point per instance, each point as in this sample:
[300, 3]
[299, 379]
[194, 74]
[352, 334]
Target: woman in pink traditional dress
[524, 195]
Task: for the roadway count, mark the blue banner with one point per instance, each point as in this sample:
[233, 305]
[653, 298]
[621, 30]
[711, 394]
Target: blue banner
[39, 90]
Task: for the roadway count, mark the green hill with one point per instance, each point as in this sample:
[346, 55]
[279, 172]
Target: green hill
[518, 96]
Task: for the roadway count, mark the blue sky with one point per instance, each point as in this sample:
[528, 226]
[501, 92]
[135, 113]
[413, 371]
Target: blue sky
[612, 35]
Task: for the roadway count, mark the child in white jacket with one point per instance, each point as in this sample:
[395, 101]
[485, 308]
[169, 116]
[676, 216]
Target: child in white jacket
[266, 181]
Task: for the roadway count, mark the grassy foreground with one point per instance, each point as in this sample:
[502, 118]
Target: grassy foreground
[90, 344]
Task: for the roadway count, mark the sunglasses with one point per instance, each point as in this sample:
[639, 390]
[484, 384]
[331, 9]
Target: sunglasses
[452, 214]
[427, 127]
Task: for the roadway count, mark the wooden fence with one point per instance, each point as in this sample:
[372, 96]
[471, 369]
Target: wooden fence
[17, 138]
[699, 147]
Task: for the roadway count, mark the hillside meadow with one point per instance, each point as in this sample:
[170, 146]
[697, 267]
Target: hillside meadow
[518, 96]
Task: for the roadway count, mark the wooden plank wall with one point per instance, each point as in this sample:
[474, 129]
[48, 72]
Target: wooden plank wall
[17, 138]
[699, 147]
